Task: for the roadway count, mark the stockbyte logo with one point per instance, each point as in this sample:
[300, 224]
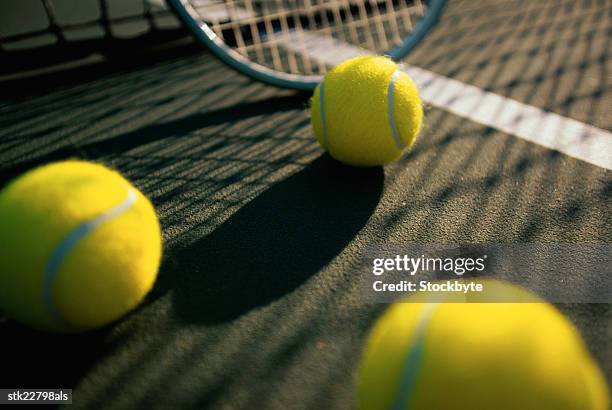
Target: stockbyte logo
[411, 265]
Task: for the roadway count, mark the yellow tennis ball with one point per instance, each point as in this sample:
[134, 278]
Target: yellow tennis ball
[80, 247]
[478, 356]
[366, 111]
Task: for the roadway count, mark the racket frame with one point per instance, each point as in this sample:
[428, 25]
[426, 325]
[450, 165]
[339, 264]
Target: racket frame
[237, 61]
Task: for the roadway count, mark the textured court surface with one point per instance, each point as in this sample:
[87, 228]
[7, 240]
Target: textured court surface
[257, 305]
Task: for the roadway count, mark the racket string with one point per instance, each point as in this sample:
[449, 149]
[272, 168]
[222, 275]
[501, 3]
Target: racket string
[269, 32]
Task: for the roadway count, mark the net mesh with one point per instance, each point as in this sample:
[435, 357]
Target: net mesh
[279, 33]
[42, 33]
[47, 22]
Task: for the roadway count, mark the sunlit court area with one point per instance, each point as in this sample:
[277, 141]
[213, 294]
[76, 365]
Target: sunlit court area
[310, 204]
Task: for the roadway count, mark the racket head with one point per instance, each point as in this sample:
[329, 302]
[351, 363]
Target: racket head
[279, 47]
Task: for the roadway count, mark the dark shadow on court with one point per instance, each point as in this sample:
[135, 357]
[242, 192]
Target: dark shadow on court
[273, 244]
[31, 359]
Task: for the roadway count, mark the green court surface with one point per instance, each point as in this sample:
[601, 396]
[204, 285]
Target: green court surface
[257, 304]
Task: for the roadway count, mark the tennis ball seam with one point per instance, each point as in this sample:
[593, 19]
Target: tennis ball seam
[391, 110]
[68, 243]
[325, 142]
[414, 359]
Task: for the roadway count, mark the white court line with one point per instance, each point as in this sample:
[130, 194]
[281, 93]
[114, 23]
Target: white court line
[571, 137]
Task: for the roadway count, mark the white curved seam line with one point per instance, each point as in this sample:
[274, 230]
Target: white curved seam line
[322, 109]
[391, 110]
[69, 242]
[413, 360]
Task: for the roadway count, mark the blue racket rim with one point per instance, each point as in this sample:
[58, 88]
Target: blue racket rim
[281, 79]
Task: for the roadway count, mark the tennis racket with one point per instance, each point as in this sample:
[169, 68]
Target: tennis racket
[292, 43]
